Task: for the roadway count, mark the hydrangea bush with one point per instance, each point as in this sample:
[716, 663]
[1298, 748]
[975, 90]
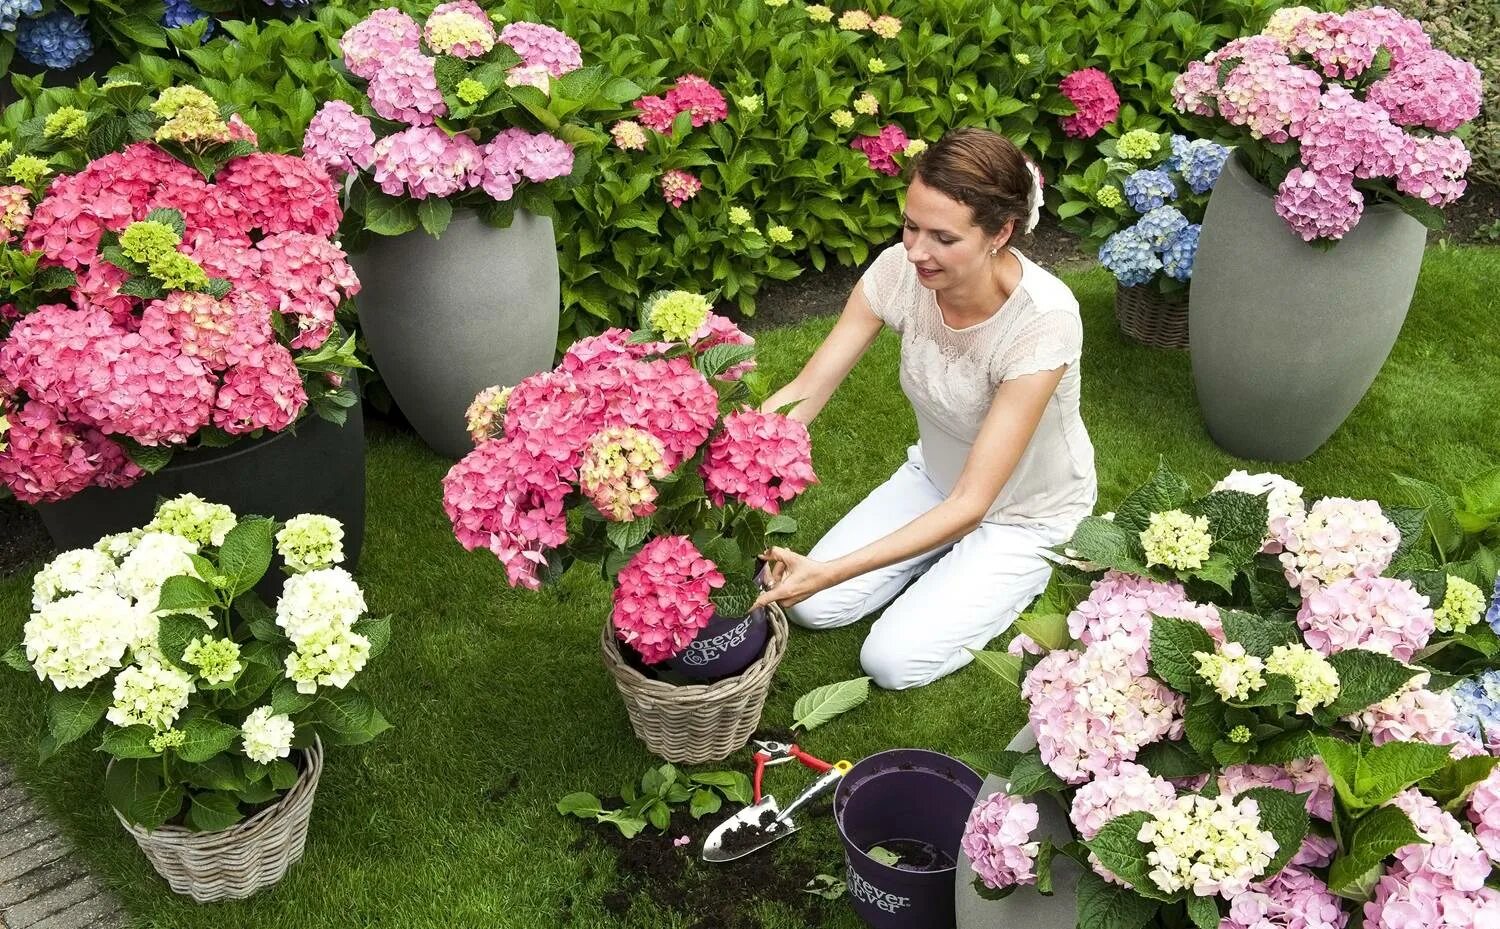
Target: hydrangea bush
[1334, 109]
[202, 690]
[1252, 717]
[652, 441]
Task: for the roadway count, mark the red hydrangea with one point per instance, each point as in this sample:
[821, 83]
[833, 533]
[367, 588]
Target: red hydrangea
[661, 598]
[262, 391]
[282, 193]
[760, 459]
[1095, 98]
[673, 401]
[697, 96]
[881, 149]
[47, 459]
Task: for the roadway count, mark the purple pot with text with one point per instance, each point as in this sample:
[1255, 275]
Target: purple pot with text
[909, 807]
[724, 648]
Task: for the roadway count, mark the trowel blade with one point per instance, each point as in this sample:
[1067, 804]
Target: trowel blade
[749, 817]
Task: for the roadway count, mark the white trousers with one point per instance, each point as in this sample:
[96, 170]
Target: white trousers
[964, 595]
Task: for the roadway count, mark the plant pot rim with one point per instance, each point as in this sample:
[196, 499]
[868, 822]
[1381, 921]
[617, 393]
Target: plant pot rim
[628, 676]
[1239, 161]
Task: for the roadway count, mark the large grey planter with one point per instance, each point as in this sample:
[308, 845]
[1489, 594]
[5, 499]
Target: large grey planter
[1286, 338]
[448, 317]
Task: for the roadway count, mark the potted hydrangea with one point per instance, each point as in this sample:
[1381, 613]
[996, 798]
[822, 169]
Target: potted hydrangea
[1247, 712]
[213, 705]
[168, 313]
[466, 132]
[1348, 142]
[651, 442]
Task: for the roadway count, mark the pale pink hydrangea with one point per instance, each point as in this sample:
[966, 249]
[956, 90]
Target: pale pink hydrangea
[1235, 779]
[720, 330]
[1024, 644]
[282, 193]
[761, 459]
[1402, 36]
[1293, 898]
[997, 840]
[661, 597]
[533, 76]
[424, 161]
[1346, 134]
[1450, 851]
[678, 186]
[1271, 97]
[1119, 610]
[515, 154]
[1337, 538]
[1431, 89]
[1412, 714]
[655, 113]
[1343, 46]
[1093, 94]
[506, 497]
[459, 28]
[47, 459]
[1406, 900]
[378, 38]
[1129, 788]
[405, 89]
[1484, 813]
[697, 96]
[339, 140]
[15, 211]
[542, 45]
[1196, 89]
[241, 131]
[263, 390]
[628, 135]
[1310, 777]
[1433, 169]
[881, 149]
[1381, 614]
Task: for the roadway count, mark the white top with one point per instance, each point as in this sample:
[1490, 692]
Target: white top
[951, 375]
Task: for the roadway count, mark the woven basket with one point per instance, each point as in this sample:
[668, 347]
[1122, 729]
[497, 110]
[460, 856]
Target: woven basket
[697, 723]
[1152, 318]
[236, 862]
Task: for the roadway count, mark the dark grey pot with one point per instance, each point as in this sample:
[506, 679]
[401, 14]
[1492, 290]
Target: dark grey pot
[1286, 338]
[446, 318]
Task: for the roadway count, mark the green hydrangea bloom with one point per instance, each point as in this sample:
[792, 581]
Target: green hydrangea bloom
[217, 660]
[1022, 59]
[1138, 144]
[1316, 680]
[750, 103]
[311, 541]
[1177, 540]
[739, 216]
[470, 91]
[67, 123]
[147, 241]
[195, 519]
[677, 314]
[781, 235]
[1108, 196]
[1239, 735]
[179, 272]
[168, 738]
[174, 100]
[1463, 603]
[29, 169]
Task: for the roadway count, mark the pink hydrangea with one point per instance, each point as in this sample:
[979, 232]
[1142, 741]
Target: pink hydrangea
[47, 459]
[149, 391]
[459, 28]
[997, 840]
[628, 135]
[661, 597]
[15, 211]
[1090, 711]
[261, 391]
[656, 114]
[241, 131]
[1347, 134]
[339, 140]
[1433, 169]
[1343, 46]
[1094, 96]
[678, 186]
[378, 38]
[670, 399]
[542, 45]
[424, 161]
[1311, 778]
[617, 471]
[1270, 97]
[307, 278]
[405, 89]
[1401, 36]
[1413, 714]
[1484, 813]
[1316, 851]
[697, 96]
[201, 326]
[1293, 898]
[1235, 779]
[1431, 89]
[760, 459]
[608, 347]
[1119, 610]
[1337, 538]
[1449, 850]
[51, 351]
[515, 154]
[508, 498]
[719, 330]
[1196, 89]
[98, 288]
[881, 149]
[282, 193]
[67, 224]
[553, 414]
[1406, 900]
[1129, 788]
[1381, 614]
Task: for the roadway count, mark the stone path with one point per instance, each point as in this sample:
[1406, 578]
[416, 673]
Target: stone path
[43, 885]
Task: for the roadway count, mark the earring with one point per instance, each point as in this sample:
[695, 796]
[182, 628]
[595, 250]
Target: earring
[994, 252]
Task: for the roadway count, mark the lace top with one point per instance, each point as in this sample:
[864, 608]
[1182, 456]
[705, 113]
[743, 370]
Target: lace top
[951, 375]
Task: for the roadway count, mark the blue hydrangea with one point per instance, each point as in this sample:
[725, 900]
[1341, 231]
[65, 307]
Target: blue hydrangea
[12, 11]
[1177, 257]
[1149, 188]
[1202, 164]
[1160, 225]
[1478, 703]
[182, 13]
[57, 40]
[1493, 616]
[1180, 145]
[1129, 257]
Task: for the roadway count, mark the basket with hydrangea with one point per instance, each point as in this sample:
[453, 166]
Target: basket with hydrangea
[213, 705]
[1246, 707]
[643, 453]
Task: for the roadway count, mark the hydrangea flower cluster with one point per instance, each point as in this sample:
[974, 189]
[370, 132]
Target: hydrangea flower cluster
[1336, 538]
[1164, 240]
[1462, 606]
[1413, 714]
[1119, 610]
[318, 610]
[760, 459]
[310, 541]
[1381, 614]
[1316, 680]
[267, 735]
[13, 11]
[56, 40]
[1484, 813]
[881, 149]
[217, 660]
[679, 186]
[676, 314]
[690, 94]
[1177, 540]
[195, 519]
[460, 28]
[150, 694]
[485, 417]
[617, 470]
[1283, 501]
[997, 840]
[542, 46]
[661, 597]
[1207, 845]
[1476, 700]
[1232, 673]
[1294, 898]
[1093, 94]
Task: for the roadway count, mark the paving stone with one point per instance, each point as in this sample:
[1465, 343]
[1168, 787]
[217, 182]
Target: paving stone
[98, 912]
[29, 859]
[26, 834]
[40, 908]
[19, 815]
[13, 796]
[30, 884]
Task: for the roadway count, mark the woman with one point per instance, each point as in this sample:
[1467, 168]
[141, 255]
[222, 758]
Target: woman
[990, 344]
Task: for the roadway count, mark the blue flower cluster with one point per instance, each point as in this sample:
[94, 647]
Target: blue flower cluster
[288, 3]
[57, 40]
[1199, 161]
[1493, 616]
[12, 12]
[1161, 224]
[1130, 257]
[182, 13]
[1478, 702]
[1178, 254]
[1148, 188]
[1162, 240]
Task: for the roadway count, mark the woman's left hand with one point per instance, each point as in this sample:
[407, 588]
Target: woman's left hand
[792, 577]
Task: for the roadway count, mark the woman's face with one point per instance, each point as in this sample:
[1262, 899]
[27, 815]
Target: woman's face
[942, 240]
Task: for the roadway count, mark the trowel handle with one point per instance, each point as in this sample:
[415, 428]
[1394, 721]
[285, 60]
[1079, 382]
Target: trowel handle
[818, 787]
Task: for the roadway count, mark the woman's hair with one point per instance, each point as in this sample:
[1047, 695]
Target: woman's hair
[982, 170]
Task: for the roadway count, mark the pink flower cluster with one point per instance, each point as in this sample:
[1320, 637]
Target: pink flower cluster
[661, 598]
[543, 46]
[378, 38]
[15, 210]
[1336, 538]
[1098, 103]
[881, 150]
[515, 154]
[281, 193]
[47, 458]
[1304, 776]
[404, 89]
[1449, 852]
[760, 459]
[691, 94]
[1484, 813]
[720, 330]
[1119, 610]
[1381, 614]
[1128, 788]
[997, 839]
[507, 496]
[678, 186]
[339, 139]
[1294, 898]
[1415, 714]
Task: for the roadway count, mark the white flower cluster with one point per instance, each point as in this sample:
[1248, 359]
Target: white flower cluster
[311, 541]
[268, 735]
[318, 610]
[72, 572]
[1177, 540]
[117, 546]
[1316, 681]
[195, 519]
[1283, 501]
[150, 695]
[1463, 605]
[1337, 538]
[80, 638]
[156, 557]
[1207, 845]
[1233, 674]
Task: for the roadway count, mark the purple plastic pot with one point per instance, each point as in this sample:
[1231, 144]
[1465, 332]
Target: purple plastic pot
[725, 647]
[912, 802]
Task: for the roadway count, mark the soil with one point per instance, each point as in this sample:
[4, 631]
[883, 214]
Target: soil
[749, 835]
[918, 856]
[1475, 218]
[23, 538]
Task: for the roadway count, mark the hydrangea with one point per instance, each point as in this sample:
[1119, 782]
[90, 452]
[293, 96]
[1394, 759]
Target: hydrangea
[1492, 615]
[1233, 674]
[310, 541]
[914, 148]
[485, 418]
[515, 153]
[739, 216]
[1413, 713]
[760, 459]
[692, 94]
[1119, 610]
[1148, 188]
[460, 28]
[15, 211]
[1283, 501]
[191, 116]
[628, 135]
[520, 76]
[656, 113]
[1484, 813]
[508, 498]
[166, 739]
[263, 390]
[617, 470]
[1177, 540]
[1447, 851]
[997, 837]
[1432, 168]
[818, 13]
[661, 597]
[718, 330]
[1316, 681]
[327, 656]
[676, 314]
[1269, 96]
[377, 39]
[542, 45]
[72, 572]
[1285, 20]
[78, 639]
[317, 599]
[678, 186]
[1200, 162]
[48, 459]
[67, 122]
[57, 40]
[267, 735]
[887, 27]
[339, 139]
[1405, 899]
[779, 234]
[193, 518]
[282, 193]
[1347, 134]
[1431, 89]
[1207, 845]
[855, 20]
[1095, 98]
[217, 660]
[13, 11]
[181, 13]
[1381, 614]
[1161, 225]
[1318, 205]
[149, 695]
[1129, 788]
[405, 89]
[1108, 196]
[155, 557]
[866, 104]
[424, 161]
[1476, 701]
[1335, 539]
[1293, 898]
[1178, 255]
[843, 119]
[28, 169]
[1463, 604]
[1138, 144]
[880, 150]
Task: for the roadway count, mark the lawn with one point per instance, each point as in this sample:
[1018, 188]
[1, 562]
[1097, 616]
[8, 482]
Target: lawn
[501, 704]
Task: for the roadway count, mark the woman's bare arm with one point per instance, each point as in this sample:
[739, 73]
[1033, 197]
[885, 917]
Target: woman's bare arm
[852, 335]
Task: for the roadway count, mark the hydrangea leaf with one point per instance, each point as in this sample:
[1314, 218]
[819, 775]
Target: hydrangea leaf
[1166, 490]
[1284, 815]
[822, 704]
[1365, 678]
[1375, 836]
[1125, 855]
[1105, 905]
[1173, 643]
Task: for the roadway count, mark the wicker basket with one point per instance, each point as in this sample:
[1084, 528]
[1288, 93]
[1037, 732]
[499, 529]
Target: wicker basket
[238, 861]
[703, 722]
[1152, 318]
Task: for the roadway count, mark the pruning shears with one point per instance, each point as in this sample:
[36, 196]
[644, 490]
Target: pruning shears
[768, 754]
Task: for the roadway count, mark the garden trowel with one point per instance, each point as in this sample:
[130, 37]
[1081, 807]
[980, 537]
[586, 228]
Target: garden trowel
[763, 822]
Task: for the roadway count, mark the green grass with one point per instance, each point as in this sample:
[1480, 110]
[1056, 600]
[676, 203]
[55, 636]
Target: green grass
[501, 704]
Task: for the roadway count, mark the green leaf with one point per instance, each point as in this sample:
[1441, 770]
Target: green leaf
[378, 630]
[1284, 815]
[1105, 543]
[1030, 775]
[259, 617]
[1365, 679]
[1106, 905]
[1164, 491]
[720, 358]
[1173, 643]
[626, 536]
[185, 593]
[629, 825]
[1441, 522]
[434, 213]
[1219, 569]
[1204, 724]
[205, 738]
[1388, 769]
[734, 785]
[130, 742]
[167, 217]
[1003, 665]
[1376, 835]
[1203, 911]
[1259, 635]
[149, 458]
[1279, 689]
[246, 553]
[286, 700]
[704, 801]
[348, 717]
[72, 713]
[1287, 747]
[580, 804]
[385, 215]
[781, 525]
[1233, 515]
[176, 632]
[1171, 759]
[213, 811]
[217, 773]
[1121, 852]
[134, 787]
[1452, 785]
[15, 658]
[822, 704]
[283, 774]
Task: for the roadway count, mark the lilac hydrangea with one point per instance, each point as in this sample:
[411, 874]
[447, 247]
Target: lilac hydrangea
[1493, 615]
[181, 13]
[13, 11]
[1177, 257]
[339, 139]
[997, 841]
[57, 40]
[1431, 89]
[1200, 163]
[1161, 225]
[1149, 188]
[405, 89]
[1347, 133]
[1317, 205]
[515, 154]
[424, 161]
[1130, 257]
[1477, 701]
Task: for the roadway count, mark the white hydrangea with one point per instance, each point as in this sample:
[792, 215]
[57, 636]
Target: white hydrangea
[1177, 540]
[268, 736]
[1463, 605]
[217, 660]
[327, 657]
[1207, 845]
[156, 557]
[1233, 674]
[311, 541]
[118, 545]
[1283, 500]
[195, 519]
[70, 573]
[150, 695]
[1337, 538]
[319, 600]
[79, 639]
[1316, 680]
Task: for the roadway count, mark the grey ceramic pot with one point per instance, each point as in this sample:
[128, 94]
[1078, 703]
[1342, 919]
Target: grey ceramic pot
[1286, 338]
[448, 317]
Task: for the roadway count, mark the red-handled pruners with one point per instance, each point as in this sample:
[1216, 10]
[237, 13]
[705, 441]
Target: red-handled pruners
[774, 753]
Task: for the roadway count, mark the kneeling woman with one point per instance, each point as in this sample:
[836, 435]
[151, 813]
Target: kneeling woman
[990, 345]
